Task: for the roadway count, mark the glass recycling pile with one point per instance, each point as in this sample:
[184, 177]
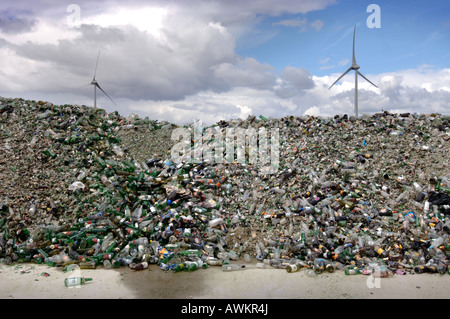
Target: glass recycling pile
[87, 187]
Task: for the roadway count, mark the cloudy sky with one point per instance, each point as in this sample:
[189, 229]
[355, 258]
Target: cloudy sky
[181, 60]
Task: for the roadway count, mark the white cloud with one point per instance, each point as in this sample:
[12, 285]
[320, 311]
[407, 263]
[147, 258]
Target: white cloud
[324, 60]
[314, 111]
[301, 23]
[344, 62]
[245, 111]
[317, 24]
[245, 72]
[390, 85]
[295, 80]
[327, 67]
[148, 19]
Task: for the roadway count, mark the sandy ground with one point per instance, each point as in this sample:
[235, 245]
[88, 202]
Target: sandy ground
[32, 281]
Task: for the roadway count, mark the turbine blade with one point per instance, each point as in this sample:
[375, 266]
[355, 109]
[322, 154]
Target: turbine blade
[96, 64]
[354, 58]
[366, 79]
[349, 69]
[97, 85]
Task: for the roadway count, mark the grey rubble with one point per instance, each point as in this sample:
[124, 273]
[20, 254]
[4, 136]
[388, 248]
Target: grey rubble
[344, 184]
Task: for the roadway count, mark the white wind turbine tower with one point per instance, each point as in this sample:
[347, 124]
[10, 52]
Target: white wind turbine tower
[96, 85]
[355, 67]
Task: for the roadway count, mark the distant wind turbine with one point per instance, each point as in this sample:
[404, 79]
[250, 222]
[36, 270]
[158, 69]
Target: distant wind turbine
[355, 67]
[96, 85]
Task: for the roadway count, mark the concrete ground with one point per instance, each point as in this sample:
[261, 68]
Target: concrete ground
[32, 281]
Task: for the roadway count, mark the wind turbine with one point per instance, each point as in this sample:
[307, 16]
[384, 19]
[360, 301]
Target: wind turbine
[96, 85]
[355, 67]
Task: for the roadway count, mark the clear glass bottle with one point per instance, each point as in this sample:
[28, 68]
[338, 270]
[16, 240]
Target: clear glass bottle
[232, 267]
[76, 281]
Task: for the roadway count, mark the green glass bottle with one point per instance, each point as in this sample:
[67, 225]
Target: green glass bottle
[43, 254]
[175, 203]
[155, 173]
[190, 266]
[179, 267]
[191, 252]
[440, 188]
[111, 246]
[48, 153]
[115, 262]
[352, 271]
[173, 246]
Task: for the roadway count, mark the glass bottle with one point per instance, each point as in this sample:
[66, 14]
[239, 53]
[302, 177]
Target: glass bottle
[76, 281]
[293, 267]
[178, 267]
[352, 271]
[232, 267]
[139, 266]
